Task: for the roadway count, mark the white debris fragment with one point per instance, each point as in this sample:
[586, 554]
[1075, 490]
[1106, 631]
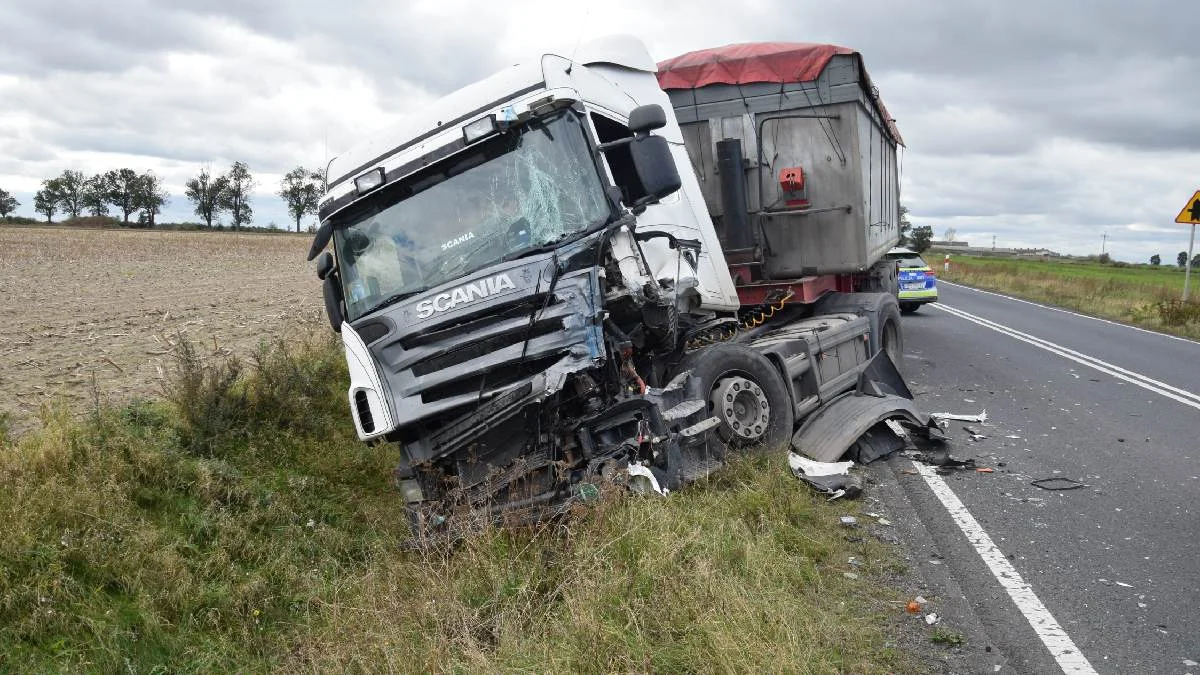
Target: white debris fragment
[642, 480]
[1120, 583]
[943, 416]
[1189, 663]
[850, 575]
[920, 600]
[848, 521]
[803, 465]
[896, 428]
[884, 521]
[931, 618]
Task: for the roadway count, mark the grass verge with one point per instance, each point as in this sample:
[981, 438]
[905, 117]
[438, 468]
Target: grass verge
[1144, 296]
[239, 526]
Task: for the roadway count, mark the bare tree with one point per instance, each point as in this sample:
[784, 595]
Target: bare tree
[151, 197]
[95, 198]
[8, 204]
[207, 193]
[47, 199]
[950, 234]
[236, 198]
[71, 188]
[122, 189]
[301, 190]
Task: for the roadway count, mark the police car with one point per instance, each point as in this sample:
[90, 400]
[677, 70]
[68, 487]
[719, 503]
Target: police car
[918, 282]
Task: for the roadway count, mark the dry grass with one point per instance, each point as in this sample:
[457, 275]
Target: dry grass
[151, 538]
[1139, 295]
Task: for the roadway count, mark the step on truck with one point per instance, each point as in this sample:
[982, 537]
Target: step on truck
[591, 267]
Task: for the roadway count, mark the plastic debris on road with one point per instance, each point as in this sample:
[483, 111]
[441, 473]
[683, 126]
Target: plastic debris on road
[944, 417]
[828, 478]
[1057, 483]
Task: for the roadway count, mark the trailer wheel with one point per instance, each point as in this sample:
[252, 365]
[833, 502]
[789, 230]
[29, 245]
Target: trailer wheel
[745, 392]
[883, 313]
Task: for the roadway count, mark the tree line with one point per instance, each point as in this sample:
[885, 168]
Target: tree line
[128, 192]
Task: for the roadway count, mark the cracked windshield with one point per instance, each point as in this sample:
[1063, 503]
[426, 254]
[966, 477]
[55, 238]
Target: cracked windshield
[526, 188]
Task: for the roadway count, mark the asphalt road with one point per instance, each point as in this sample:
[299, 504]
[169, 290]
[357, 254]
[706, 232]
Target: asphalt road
[1115, 562]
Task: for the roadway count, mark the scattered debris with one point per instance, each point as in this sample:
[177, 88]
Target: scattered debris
[913, 607]
[848, 521]
[1189, 663]
[643, 481]
[931, 618]
[1057, 483]
[850, 575]
[828, 478]
[1122, 584]
[885, 522]
[985, 469]
[946, 417]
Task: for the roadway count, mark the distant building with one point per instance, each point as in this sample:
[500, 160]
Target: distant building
[963, 248]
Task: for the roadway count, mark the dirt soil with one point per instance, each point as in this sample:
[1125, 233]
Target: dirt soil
[94, 313]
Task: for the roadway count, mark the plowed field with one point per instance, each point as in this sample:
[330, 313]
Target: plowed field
[93, 313]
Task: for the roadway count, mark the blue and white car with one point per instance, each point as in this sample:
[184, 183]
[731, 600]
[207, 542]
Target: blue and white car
[918, 281]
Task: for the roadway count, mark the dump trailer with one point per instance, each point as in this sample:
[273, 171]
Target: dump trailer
[591, 268]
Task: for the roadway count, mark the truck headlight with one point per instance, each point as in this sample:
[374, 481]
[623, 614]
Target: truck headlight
[480, 128]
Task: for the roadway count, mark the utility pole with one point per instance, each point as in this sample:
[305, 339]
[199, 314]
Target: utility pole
[1104, 244]
[993, 242]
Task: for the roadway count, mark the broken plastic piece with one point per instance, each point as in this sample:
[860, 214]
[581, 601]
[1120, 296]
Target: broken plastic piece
[1057, 483]
[931, 618]
[913, 607]
[848, 521]
[643, 481]
[985, 469]
[803, 465]
[981, 417]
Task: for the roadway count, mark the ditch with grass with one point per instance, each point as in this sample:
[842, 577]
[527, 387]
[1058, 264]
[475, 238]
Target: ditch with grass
[1148, 296]
[238, 525]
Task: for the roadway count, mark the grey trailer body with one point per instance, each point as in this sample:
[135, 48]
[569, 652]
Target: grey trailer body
[834, 129]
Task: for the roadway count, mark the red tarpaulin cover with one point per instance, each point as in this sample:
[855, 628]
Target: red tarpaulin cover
[783, 62]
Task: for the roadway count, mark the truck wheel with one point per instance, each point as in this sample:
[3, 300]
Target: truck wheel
[745, 392]
[882, 311]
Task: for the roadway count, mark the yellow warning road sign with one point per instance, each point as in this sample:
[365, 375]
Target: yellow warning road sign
[1190, 215]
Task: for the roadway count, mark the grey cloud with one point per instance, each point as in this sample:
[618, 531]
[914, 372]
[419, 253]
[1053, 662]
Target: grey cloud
[80, 35]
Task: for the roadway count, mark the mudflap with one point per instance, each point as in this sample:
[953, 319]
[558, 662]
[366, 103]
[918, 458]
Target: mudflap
[830, 431]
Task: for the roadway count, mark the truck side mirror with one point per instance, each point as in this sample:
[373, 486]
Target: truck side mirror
[646, 118]
[331, 288]
[655, 167]
[324, 265]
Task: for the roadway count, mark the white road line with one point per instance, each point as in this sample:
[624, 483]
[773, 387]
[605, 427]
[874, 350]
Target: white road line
[1161, 388]
[1061, 647]
[1067, 311]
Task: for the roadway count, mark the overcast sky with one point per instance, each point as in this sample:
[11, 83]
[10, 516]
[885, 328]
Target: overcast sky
[1042, 122]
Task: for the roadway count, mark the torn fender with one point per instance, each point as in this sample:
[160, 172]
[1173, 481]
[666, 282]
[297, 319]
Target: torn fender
[830, 431]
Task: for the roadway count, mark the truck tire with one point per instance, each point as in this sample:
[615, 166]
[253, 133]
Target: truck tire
[882, 311]
[745, 392]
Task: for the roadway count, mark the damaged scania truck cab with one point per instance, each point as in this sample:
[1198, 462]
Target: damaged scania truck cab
[534, 297]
